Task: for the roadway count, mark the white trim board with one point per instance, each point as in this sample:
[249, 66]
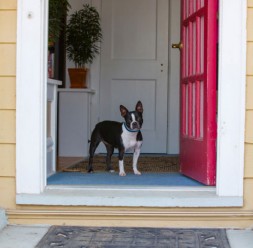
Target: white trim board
[130, 197]
[31, 96]
[31, 100]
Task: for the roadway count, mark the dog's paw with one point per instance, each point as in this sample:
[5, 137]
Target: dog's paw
[122, 173]
[111, 171]
[136, 172]
[90, 171]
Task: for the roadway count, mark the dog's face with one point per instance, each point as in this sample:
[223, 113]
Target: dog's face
[133, 119]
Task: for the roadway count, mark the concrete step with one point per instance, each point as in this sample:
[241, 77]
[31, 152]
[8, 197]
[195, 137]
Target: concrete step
[3, 219]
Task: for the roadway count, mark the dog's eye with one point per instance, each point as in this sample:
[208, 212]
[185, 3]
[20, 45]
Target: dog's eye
[139, 120]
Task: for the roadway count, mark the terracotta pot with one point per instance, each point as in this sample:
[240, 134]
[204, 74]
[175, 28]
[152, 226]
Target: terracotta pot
[78, 77]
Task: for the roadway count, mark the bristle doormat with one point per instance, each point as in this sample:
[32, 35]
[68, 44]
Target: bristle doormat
[146, 163]
[115, 237]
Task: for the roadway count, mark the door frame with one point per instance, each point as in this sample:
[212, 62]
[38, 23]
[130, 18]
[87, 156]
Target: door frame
[31, 97]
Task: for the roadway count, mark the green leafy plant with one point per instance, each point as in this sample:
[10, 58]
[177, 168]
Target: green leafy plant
[57, 11]
[83, 34]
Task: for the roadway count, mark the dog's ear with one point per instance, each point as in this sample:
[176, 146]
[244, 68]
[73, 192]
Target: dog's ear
[123, 110]
[139, 107]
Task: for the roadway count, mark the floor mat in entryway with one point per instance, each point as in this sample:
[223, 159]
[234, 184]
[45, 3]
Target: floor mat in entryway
[115, 237]
[146, 163]
[113, 179]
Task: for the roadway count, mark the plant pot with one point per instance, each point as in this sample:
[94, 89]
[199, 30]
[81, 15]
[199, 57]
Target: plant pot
[78, 77]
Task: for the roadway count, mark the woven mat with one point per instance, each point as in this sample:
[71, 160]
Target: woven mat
[145, 164]
[115, 237]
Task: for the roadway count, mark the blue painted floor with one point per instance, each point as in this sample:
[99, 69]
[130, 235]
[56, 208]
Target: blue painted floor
[106, 178]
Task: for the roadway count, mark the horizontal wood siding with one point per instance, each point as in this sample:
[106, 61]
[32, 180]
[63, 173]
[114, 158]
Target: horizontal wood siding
[8, 24]
[8, 5]
[8, 93]
[248, 161]
[8, 20]
[249, 98]
[248, 172]
[8, 61]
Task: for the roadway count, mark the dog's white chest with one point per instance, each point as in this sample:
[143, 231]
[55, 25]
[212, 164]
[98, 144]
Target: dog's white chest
[129, 140]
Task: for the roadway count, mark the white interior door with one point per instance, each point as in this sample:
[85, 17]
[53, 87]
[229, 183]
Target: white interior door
[134, 62]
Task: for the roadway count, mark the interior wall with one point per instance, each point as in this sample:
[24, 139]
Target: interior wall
[173, 73]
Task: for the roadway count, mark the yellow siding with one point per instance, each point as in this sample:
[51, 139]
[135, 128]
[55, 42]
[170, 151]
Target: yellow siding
[249, 125]
[7, 192]
[249, 58]
[8, 4]
[8, 20]
[7, 160]
[250, 20]
[248, 172]
[249, 102]
[8, 92]
[7, 126]
[250, 3]
[248, 161]
[8, 60]
[248, 199]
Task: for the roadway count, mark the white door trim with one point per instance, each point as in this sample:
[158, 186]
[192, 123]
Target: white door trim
[231, 97]
[31, 85]
[31, 97]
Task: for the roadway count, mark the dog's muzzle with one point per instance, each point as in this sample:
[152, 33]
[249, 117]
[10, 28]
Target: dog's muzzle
[135, 125]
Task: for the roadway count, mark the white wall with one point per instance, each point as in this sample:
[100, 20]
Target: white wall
[173, 77]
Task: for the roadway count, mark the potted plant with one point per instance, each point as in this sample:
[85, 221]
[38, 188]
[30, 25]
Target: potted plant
[57, 11]
[83, 34]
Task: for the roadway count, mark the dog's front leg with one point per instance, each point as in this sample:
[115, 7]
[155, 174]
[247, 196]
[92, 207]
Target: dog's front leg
[135, 158]
[121, 162]
[110, 150]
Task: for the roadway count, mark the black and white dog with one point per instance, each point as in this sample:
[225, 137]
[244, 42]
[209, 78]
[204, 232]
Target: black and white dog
[124, 136]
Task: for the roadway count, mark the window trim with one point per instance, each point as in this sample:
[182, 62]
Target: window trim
[31, 103]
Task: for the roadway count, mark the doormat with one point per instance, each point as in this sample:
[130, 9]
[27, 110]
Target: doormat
[146, 163]
[115, 237]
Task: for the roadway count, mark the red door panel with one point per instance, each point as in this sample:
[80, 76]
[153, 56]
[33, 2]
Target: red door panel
[198, 129]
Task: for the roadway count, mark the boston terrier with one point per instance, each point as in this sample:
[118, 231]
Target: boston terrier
[123, 136]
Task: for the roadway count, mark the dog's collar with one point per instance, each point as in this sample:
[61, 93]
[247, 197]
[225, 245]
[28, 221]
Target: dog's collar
[130, 130]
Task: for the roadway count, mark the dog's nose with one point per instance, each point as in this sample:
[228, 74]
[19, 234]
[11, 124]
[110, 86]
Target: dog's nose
[135, 125]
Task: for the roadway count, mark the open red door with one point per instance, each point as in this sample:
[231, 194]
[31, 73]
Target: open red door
[198, 129]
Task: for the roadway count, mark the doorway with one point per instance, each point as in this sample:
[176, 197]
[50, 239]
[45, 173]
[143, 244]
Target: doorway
[142, 65]
[137, 65]
[30, 160]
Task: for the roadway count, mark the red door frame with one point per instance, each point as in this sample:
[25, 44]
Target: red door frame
[198, 80]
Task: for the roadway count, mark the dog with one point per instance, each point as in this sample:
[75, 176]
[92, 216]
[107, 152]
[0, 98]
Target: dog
[123, 136]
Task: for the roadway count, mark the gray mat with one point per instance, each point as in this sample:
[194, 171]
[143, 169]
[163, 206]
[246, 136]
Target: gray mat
[112, 237]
